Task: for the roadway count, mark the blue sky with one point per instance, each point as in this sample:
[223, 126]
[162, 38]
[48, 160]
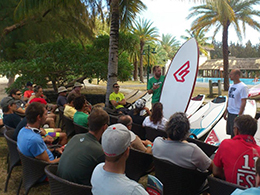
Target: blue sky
[169, 16]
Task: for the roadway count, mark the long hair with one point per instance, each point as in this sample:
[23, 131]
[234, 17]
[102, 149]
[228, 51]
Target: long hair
[157, 113]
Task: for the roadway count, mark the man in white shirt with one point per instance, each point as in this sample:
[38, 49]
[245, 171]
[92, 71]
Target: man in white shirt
[237, 94]
[109, 178]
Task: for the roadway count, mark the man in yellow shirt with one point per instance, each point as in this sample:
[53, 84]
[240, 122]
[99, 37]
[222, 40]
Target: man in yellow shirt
[117, 99]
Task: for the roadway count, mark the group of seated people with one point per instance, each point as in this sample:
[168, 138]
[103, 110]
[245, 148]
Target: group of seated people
[98, 158]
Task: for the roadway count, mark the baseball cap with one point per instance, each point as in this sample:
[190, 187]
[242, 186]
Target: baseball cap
[140, 103]
[7, 101]
[115, 140]
[62, 89]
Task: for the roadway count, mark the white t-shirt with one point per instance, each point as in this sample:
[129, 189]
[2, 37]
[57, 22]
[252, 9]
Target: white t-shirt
[104, 182]
[186, 155]
[236, 92]
[159, 125]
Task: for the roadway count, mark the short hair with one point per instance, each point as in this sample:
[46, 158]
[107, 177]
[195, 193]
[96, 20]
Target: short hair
[125, 120]
[37, 88]
[178, 127]
[97, 119]
[71, 97]
[246, 125]
[79, 102]
[33, 110]
[13, 92]
[237, 71]
[115, 84]
[157, 113]
[257, 166]
[155, 67]
[114, 158]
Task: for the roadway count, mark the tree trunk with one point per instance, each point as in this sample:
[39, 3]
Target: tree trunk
[141, 62]
[135, 70]
[225, 56]
[10, 81]
[54, 85]
[113, 48]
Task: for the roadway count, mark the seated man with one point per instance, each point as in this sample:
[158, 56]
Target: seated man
[28, 93]
[81, 116]
[117, 99]
[109, 178]
[139, 113]
[176, 149]
[9, 107]
[62, 99]
[84, 152]
[253, 190]
[136, 142]
[69, 109]
[235, 158]
[29, 140]
[16, 94]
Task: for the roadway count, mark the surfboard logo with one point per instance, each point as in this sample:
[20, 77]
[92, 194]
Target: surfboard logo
[180, 74]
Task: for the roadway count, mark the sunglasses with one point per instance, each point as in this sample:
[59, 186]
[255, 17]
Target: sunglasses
[116, 87]
[19, 94]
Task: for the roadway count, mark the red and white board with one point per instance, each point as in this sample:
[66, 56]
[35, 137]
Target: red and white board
[254, 92]
[218, 133]
[180, 79]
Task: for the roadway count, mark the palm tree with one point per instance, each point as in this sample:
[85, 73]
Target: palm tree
[170, 44]
[144, 30]
[201, 39]
[223, 14]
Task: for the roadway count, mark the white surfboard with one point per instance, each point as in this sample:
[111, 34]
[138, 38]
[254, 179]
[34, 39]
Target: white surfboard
[218, 133]
[205, 118]
[148, 98]
[180, 79]
[195, 104]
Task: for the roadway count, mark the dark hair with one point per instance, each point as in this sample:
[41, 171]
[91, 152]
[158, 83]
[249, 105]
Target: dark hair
[246, 125]
[124, 119]
[97, 119]
[37, 88]
[257, 166]
[155, 67]
[13, 92]
[115, 84]
[79, 102]
[178, 127]
[33, 110]
[29, 84]
[71, 97]
[157, 113]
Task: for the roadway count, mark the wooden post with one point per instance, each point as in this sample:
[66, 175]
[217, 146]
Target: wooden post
[219, 87]
[210, 89]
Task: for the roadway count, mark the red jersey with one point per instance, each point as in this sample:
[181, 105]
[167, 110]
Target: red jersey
[238, 156]
[41, 100]
[28, 93]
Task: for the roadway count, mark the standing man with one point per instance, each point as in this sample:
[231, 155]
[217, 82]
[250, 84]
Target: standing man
[155, 83]
[237, 94]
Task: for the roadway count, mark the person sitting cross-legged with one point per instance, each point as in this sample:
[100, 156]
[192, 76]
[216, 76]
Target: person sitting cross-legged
[109, 178]
[29, 140]
[9, 107]
[235, 158]
[84, 151]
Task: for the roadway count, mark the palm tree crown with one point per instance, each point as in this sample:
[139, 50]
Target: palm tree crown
[221, 14]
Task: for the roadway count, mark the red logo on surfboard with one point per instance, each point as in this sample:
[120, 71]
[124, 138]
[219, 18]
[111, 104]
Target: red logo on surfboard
[182, 72]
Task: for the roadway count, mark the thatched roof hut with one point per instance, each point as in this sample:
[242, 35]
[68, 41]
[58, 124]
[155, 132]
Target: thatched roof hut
[214, 67]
